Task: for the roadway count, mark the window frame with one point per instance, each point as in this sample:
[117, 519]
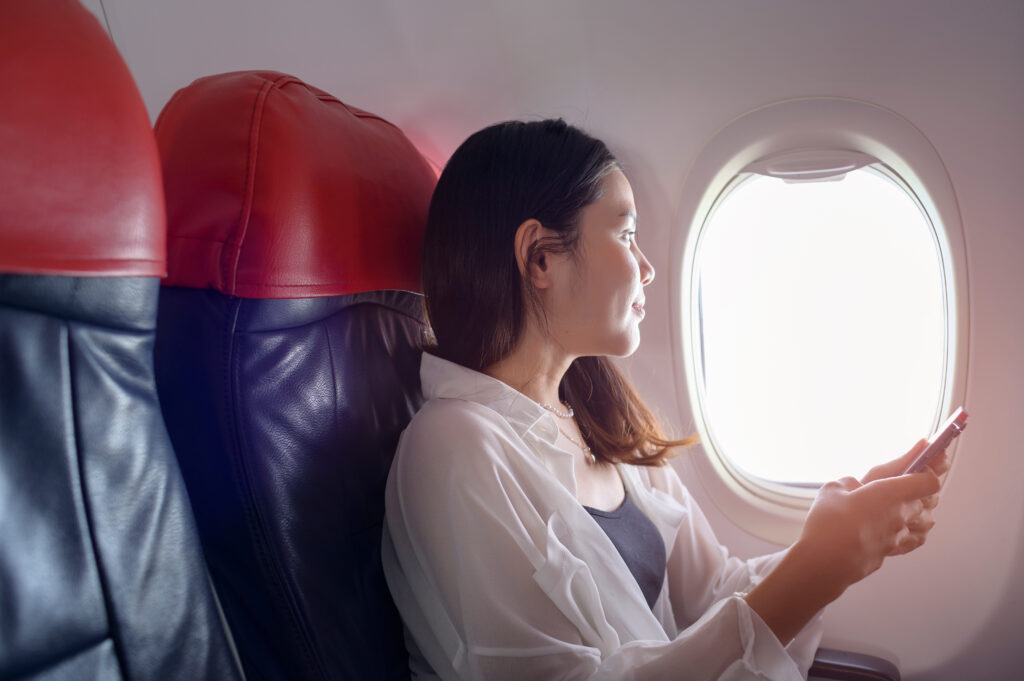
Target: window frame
[768, 509]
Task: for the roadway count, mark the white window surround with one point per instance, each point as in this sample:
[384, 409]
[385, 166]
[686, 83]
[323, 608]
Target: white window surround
[776, 512]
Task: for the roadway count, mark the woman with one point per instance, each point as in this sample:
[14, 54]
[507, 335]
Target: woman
[533, 530]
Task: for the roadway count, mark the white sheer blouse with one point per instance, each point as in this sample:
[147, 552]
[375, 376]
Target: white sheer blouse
[500, 573]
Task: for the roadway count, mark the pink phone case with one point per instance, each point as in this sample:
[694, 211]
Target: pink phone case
[938, 442]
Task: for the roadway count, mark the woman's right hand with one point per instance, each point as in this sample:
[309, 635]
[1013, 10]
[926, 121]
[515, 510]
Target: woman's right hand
[850, 530]
[852, 526]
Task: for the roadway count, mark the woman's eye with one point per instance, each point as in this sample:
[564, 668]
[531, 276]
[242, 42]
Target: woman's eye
[630, 235]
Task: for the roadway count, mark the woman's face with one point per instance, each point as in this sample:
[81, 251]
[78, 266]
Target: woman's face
[597, 302]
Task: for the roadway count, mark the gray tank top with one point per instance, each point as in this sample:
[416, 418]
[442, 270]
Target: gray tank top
[639, 544]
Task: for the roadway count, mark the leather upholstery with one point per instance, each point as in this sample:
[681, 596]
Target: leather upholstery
[101, 572]
[285, 418]
[247, 153]
[285, 376]
[78, 166]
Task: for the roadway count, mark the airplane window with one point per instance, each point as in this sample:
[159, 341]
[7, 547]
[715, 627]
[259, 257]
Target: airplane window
[820, 328]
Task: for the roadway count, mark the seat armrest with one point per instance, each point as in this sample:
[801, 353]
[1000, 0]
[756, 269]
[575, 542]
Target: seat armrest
[840, 665]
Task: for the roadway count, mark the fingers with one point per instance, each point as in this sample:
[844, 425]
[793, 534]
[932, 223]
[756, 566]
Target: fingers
[914, 535]
[911, 510]
[838, 487]
[904, 506]
[866, 523]
[921, 485]
[896, 466]
[906, 487]
[905, 460]
[848, 483]
[877, 473]
[940, 464]
[921, 524]
[908, 542]
[902, 462]
[912, 532]
[915, 450]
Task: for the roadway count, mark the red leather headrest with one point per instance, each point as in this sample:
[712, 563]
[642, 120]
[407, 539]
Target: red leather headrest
[276, 189]
[80, 190]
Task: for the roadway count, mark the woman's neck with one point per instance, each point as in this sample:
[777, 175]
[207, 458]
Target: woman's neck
[535, 367]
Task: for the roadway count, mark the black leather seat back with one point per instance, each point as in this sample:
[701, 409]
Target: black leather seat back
[286, 414]
[101, 570]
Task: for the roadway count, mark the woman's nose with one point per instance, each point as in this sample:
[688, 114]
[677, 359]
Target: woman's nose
[646, 268]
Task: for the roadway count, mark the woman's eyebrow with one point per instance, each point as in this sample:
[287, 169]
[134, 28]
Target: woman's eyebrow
[631, 214]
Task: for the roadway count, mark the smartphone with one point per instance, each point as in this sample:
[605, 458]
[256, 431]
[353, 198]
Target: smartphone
[939, 440]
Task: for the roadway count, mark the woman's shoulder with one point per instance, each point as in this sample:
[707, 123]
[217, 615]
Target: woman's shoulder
[445, 415]
[449, 427]
[450, 445]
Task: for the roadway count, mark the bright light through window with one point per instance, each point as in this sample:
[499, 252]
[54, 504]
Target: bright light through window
[822, 325]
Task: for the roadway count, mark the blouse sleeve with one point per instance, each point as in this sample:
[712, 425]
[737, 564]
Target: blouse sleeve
[701, 573]
[465, 552]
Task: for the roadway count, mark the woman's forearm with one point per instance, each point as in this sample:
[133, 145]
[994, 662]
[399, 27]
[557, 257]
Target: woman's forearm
[793, 593]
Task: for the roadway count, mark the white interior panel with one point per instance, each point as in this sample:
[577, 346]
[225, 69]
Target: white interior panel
[96, 7]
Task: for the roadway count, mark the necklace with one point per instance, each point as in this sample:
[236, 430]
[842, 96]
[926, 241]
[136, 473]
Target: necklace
[589, 455]
[562, 414]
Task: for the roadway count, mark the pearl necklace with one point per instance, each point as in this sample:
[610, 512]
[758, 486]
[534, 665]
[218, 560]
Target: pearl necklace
[562, 414]
[587, 454]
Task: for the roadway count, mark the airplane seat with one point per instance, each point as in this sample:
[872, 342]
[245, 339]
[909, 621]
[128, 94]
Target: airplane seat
[101, 571]
[287, 359]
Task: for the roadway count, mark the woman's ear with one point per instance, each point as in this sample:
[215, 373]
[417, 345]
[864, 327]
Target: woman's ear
[530, 257]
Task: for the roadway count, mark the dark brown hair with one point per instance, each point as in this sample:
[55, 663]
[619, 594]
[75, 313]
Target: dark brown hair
[476, 299]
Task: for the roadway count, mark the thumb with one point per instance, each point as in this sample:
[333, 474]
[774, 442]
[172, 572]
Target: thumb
[909, 457]
[897, 465]
[907, 487]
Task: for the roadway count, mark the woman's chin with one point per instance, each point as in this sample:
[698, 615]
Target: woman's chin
[626, 346]
[621, 343]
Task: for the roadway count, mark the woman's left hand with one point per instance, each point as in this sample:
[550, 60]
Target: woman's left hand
[921, 522]
[939, 465]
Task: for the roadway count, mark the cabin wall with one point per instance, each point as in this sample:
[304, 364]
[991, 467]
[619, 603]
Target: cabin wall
[656, 79]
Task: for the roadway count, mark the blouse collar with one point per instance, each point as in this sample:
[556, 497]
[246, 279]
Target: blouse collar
[444, 379]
